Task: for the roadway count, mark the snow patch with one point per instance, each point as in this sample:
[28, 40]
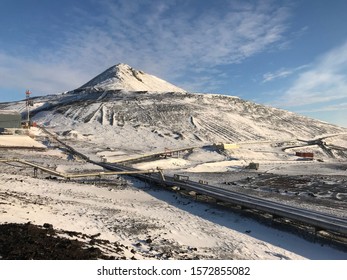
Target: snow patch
[124, 77]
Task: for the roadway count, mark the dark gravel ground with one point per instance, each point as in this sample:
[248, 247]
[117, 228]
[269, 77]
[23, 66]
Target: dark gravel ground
[32, 242]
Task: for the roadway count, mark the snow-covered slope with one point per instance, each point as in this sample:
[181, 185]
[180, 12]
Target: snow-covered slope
[127, 109]
[150, 121]
[124, 77]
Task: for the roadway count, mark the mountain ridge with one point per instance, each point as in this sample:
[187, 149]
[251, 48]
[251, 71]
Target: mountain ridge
[143, 119]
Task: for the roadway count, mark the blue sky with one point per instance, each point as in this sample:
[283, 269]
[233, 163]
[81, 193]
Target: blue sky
[286, 54]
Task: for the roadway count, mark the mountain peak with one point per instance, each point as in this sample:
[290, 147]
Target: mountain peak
[123, 77]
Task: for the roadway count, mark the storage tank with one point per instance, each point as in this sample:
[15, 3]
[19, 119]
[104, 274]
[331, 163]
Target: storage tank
[10, 119]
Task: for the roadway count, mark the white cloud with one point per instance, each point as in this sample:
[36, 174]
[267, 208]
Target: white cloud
[325, 81]
[171, 42]
[281, 73]
[167, 39]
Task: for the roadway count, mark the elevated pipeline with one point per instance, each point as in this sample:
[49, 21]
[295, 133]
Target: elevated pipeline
[81, 175]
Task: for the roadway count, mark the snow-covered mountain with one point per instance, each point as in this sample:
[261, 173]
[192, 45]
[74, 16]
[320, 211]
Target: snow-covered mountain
[129, 109]
[124, 77]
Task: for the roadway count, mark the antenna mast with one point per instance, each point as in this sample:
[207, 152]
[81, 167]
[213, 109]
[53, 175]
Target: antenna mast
[28, 104]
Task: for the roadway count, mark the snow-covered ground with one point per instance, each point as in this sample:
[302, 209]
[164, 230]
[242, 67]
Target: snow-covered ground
[129, 211]
[137, 213]
[19, 141]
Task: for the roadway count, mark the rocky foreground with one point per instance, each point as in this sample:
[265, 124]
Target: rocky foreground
[32, 242]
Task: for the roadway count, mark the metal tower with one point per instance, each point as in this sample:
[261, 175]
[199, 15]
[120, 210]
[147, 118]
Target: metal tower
[28, 104]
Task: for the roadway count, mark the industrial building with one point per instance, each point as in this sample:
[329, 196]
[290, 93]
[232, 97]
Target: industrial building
[10, 119]
[307, 155]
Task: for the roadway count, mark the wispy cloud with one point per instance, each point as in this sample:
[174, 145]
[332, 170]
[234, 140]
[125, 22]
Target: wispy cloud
[41, 77]
[281, 73]
[168, 39]
[329, 108]
[325, 81]
[172, 36]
